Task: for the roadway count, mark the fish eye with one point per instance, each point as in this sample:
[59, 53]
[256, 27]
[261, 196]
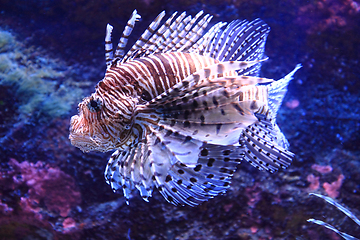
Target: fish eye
[145, 95]
[95, 105]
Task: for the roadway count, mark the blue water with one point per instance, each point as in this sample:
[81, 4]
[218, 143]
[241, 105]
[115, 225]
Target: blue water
[55, 57]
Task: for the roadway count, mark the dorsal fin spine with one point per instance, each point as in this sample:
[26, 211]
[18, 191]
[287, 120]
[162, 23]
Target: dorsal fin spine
[119, 53]
[159, 37]
[109, 54]
[145, 36]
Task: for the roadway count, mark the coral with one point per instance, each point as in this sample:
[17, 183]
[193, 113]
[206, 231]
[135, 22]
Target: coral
[314, 182]
[332, 189]
[292, 104]
[51, 185]
[253, 193]
[324, 14]
[7, 41]
[34, 91]
[33, 194]
[5, 209]
[69, 224]
[321, 169]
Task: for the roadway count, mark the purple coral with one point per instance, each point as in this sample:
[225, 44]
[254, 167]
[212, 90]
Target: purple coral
[34, 193]
[326, 14]
[51, 185]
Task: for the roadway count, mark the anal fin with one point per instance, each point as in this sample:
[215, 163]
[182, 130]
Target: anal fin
[262, 149]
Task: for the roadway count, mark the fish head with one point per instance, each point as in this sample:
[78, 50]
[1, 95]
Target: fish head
[102, 124]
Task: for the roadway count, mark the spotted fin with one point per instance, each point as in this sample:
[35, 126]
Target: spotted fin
[216, 119]
[204, 77]
[215, 110]
[263, 146]
[187, 171]
[128, 170]
[215, 92]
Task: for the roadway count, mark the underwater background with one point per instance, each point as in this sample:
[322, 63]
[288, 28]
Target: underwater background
[52, 55]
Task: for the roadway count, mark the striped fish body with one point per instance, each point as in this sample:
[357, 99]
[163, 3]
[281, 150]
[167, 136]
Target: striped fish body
[183, 108]
[152, 75]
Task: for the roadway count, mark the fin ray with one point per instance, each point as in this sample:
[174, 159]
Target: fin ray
[261, 147]
[206, 175]
[277, 91]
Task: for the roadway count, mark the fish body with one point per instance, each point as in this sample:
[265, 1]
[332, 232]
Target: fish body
[183, 107]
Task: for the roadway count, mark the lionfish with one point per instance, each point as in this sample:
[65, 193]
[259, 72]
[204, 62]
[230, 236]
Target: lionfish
[183, 107]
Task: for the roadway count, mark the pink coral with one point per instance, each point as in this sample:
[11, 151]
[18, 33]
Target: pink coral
[332, 189]
[37, 196]
[325, 14]
[292, 104]
[69, 224]
[322, 169]
[314, 182]
[254, 229]
[253, 193]
[51, 185]
[30, 207]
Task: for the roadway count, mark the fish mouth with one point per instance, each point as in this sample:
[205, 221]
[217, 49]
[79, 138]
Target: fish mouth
[78, 136]
[85, 137]
[84, 143]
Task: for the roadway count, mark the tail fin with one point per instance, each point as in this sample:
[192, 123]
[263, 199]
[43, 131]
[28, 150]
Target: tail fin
[265, 144]
[277, 91]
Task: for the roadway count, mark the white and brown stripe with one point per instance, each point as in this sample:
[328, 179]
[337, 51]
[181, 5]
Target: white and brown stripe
[183, 108]
[154, 74]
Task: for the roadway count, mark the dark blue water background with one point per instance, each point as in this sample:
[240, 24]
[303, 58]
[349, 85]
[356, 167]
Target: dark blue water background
[58, 53]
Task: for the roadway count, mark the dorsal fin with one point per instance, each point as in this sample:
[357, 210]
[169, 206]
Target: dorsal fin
[177, 34]
[238, 41]
[161, 34]
[119, 53]
[138, 46]
[110, 58]
[109, 52]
